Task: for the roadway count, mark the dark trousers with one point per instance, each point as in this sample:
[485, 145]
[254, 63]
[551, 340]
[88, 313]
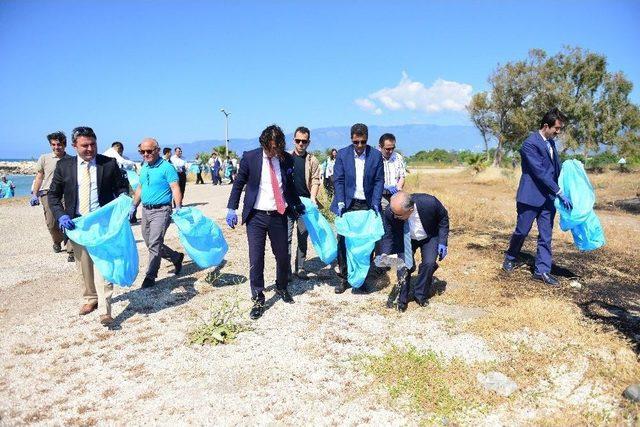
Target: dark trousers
[428, 266]
[543, 215]
[215, 176]
[356, 205]
[182, 182]
[303, 234]
[259, 225]
[199, 179]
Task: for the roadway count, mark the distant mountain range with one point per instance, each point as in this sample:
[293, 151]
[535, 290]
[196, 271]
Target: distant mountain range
[410, 139]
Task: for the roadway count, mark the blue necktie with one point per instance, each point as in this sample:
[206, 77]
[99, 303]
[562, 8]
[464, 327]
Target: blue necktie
[408, 253]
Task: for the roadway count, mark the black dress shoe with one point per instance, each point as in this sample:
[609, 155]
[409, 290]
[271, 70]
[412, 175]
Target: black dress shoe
[508, 266]
[547, 278]
[341, 288]
[71, 258]
[148, 282]
[423, 303]
[178, 263]
[402, 307]
[257, 310]
[57, 248]
[285, 295]
[302, 275]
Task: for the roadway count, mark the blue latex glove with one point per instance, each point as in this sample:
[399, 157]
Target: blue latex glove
[340, 208]
[34, 200]
[132, 211]
[66, 223]
[442, 251]
[232, 218]
[391, 189]
[565, 201]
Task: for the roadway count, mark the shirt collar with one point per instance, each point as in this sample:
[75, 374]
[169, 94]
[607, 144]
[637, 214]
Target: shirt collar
[82, 162]
[542, 136]
[357, 156]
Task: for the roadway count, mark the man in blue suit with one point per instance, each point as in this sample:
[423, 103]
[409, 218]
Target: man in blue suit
[536, 194]
[267, 174]
[358, 177]
[413, 221]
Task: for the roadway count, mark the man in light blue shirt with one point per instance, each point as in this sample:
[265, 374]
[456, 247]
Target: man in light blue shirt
[158, 186]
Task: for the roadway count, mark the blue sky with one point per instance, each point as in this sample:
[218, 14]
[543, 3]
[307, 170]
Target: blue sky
[163, 68]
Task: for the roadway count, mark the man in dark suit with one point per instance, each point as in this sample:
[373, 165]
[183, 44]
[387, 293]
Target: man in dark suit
[536, 193]
[413, 221]
[267, 174]
[358, 178]
[81, 184]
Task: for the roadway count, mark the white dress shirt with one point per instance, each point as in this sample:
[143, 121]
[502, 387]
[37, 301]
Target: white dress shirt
[266, 200]
[393, 169]
[178, 163]
[359, 193]
[93, 172]
[123, 162]
[415, 225]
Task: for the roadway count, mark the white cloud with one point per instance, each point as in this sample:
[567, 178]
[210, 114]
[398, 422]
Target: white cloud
[443, 95]
[368, 105]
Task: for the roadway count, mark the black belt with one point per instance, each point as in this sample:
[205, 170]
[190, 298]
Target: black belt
[156, 206]
[268, 212]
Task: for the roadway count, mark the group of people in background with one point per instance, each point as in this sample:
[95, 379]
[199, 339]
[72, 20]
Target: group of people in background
[356, 177]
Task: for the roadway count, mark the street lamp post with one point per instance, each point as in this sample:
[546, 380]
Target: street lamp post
[226, 130]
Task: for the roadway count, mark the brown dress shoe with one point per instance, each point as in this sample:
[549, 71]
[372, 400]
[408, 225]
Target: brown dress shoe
[88, 308]
[106, 319]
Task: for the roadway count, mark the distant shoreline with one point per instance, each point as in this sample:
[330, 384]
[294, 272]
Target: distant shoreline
[18, 167]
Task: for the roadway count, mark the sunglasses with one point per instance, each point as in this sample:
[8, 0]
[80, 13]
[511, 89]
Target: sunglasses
[147, 151]
[301, 141]
[360, 142]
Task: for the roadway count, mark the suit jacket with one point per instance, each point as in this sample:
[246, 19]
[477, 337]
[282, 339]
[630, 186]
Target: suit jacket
[249, 174]
[111, 183]
[344, 177]
[539, 181]
[433, 216]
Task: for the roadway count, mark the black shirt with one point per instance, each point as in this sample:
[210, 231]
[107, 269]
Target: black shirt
[300, 185]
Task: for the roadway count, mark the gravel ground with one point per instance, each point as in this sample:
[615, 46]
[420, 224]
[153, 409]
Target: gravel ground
[297, 364]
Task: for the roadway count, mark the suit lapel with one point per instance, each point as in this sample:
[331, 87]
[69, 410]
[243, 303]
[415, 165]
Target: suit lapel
[351, 161]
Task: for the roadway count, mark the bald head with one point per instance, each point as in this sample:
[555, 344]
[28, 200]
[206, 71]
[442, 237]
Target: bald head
[150, 150]
[401, 205]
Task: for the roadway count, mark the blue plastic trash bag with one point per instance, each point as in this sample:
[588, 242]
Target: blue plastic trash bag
[201, 237]
[320, 232]
[107, 235]
[581, 220]
[361, 229]
[134, 179]
[194, 168]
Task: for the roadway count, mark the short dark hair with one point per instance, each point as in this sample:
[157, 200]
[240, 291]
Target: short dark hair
[57, 136]
[272, 132]
[82, 131]
[386, 137]
[302, 129]
[166, 150]
[360, 129]
[552, 115]
[117, 144]
[177, 148]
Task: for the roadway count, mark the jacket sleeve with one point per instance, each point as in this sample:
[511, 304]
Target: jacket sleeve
[239, 183]
[315, 172]
[443, 223]
[378, 186]
[338, 179]
[56, 192]
[532, 158]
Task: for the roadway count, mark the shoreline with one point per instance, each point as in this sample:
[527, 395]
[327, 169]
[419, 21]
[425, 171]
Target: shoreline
[18, 167]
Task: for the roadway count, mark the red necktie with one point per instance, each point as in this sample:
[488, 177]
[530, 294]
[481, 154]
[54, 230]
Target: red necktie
[277, 194]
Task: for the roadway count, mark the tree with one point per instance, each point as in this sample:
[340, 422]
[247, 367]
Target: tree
[481, 116]
[574, 80]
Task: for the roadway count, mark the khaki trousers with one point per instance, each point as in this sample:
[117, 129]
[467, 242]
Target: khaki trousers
[52, 224]
[94, 288]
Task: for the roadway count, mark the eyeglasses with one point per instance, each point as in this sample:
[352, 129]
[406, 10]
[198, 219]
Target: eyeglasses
[301, 141]
[360, 142]
[147, 151]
